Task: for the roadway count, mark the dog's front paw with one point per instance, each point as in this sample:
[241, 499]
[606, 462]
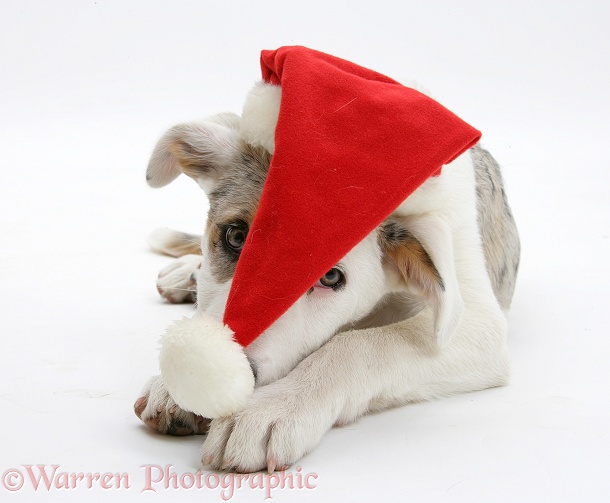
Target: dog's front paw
[273, 432]
[176, 282]
[158, 411]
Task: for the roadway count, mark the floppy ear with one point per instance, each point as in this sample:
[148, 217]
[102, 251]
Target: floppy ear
[422, 250]
[196, 149]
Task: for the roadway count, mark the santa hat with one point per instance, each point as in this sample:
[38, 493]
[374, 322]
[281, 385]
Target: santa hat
[349, 146]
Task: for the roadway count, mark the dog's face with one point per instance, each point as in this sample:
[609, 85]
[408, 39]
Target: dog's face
[232, 173]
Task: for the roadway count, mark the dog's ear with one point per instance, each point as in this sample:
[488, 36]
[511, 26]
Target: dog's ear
[421, 249]
[197, 149]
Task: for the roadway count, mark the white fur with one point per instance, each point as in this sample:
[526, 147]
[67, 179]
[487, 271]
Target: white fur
[375, 368]
[204, 370]
[211, 295]
[440, 223]
[319, 365]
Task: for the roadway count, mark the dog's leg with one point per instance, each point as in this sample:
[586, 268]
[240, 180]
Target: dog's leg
[354, 373]
[174, 243]
[177, 282]
[158, 411]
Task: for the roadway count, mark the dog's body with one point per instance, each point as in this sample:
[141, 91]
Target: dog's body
[417, 311]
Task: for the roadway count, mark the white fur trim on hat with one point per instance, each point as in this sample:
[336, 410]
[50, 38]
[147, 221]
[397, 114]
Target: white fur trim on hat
[204, 370]
[260, 114]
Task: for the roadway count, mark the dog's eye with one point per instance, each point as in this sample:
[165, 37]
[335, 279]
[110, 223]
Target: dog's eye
[332, 279]
[235, 237]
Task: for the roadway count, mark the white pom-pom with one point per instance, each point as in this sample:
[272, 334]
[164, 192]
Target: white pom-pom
[204, 370]
[260, 115]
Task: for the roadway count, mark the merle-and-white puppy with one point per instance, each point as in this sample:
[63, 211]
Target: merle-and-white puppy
[420, 313]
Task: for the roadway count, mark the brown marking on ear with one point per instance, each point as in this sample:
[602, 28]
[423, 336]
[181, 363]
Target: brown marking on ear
[409, 256]
[192, 162]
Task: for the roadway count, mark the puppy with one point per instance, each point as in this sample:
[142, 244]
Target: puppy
[414, 312]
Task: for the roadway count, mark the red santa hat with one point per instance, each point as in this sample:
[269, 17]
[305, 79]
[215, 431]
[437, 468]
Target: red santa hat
[349, 146]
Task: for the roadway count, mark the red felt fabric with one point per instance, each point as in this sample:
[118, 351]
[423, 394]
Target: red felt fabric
[350, 146]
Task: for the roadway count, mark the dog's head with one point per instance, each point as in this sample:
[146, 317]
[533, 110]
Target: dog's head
[409, 254]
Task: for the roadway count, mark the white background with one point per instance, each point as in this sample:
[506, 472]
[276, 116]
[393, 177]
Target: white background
[87, 88]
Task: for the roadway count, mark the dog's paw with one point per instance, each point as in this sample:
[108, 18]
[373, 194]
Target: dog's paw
[177, 283]
[273, 432]
[158, 411]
